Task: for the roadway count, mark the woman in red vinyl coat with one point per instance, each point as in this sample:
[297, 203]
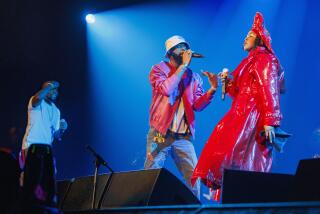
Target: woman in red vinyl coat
[236, 142]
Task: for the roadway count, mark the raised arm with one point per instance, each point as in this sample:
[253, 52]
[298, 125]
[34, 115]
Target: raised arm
[40, 95]
[165, 85]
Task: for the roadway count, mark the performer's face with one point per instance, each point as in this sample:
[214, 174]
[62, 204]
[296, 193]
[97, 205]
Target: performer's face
[53, 94]
[178, 51]
[249, 42]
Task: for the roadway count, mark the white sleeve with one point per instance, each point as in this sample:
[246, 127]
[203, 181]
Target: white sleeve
[57, 122]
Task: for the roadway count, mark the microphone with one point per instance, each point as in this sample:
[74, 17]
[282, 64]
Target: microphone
[224, 75]
[197, 55]
[194, 55]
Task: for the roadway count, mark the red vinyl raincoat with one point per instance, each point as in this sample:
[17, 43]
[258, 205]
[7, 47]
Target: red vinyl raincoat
[236, 141]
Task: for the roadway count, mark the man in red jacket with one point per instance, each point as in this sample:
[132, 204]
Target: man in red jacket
[176, 93]
[236, 142]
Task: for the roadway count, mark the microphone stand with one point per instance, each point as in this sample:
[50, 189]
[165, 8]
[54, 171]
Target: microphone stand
[98, 162]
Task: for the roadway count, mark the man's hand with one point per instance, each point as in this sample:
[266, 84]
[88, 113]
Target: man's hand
[213, 80]
[186, 57]
[52, 84]
[269, 133]
[45, 89]
[63, 125]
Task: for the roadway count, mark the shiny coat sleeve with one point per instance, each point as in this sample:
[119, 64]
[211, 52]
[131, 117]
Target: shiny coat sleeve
[202, 99]
[231, 88]
[266, 73]
[161, 83]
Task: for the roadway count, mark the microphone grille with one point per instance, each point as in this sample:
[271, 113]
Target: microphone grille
[225, 70]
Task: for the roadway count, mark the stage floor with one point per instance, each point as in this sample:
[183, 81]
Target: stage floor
[288, 207]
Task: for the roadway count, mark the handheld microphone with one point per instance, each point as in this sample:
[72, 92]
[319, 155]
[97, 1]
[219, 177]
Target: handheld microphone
[224, 74]
[197, 55]
[194, 55]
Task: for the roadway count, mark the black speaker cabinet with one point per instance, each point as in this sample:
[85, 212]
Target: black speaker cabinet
[256, 187]
[63, 190]
[307, 180]
[78, 195]
[133, 188]
[147, 187]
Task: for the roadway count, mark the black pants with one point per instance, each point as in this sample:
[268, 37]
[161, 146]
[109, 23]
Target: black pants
[39, 183]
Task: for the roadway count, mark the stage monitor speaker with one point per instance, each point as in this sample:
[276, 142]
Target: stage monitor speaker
[256, 187]
[63, 187]
[146, 187]
[307, 180]
[79, 195]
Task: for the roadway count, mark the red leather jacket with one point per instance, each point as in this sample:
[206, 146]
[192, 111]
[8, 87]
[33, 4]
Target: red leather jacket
[166, 92]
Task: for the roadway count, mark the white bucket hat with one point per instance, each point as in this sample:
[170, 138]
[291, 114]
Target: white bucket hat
[173, 41]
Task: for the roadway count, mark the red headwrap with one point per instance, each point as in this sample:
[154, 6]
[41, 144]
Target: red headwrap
[261, 31]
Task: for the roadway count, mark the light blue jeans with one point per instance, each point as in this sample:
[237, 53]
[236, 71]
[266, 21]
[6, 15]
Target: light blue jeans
[180, 148]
